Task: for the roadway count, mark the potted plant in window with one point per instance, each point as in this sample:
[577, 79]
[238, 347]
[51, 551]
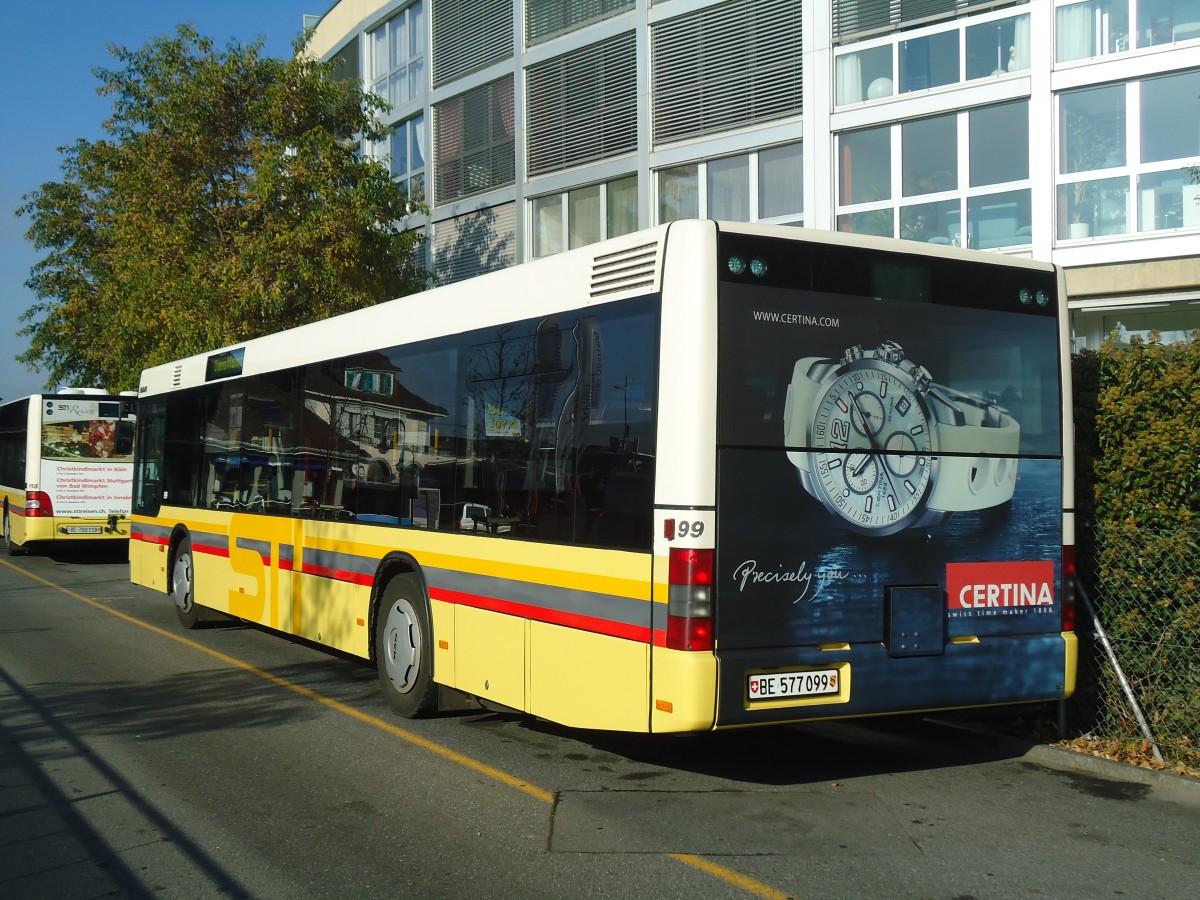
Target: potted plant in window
[1088, 148]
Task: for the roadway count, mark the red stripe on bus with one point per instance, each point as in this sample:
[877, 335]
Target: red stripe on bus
[148, 538]
[338, 574]
[210, 550]
[637, 633]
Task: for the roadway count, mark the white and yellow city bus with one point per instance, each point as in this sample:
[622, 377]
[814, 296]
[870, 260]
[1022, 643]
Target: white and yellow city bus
[66, 467]
[702, 476]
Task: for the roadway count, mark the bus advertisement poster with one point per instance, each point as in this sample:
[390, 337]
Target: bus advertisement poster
[869, 444]
[88, 488]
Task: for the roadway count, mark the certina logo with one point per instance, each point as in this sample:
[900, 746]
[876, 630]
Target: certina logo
[999, 585]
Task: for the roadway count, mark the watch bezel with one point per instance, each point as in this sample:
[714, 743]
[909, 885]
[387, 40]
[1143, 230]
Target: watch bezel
[870, 361]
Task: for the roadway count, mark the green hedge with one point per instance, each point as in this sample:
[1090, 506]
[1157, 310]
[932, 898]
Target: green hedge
[1137, 437]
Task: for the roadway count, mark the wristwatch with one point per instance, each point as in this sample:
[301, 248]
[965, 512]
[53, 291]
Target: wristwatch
[884, 448]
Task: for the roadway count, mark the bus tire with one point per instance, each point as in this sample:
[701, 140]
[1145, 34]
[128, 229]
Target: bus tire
[404, 648]
[13, 549]
[183, 585]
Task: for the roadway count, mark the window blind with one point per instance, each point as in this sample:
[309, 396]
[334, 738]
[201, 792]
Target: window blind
[726, 66]
[468, 35]
[545, 19]
[479, 242]
[582, 106]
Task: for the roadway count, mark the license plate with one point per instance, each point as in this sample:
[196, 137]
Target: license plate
[84, 529]
[782, 685]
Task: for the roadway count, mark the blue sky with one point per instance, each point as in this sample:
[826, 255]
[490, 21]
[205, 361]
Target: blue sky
[48, 100]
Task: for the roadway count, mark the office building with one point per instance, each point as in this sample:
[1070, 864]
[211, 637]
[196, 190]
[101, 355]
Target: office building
[1064, 131]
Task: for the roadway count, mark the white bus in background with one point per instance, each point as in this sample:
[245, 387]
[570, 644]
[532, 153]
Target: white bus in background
[66, 467]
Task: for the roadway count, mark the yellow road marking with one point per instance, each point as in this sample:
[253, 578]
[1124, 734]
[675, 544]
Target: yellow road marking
[737, 879]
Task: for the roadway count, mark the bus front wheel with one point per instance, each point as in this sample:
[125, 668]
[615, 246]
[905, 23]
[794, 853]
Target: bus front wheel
[404, 648]
[183, 586]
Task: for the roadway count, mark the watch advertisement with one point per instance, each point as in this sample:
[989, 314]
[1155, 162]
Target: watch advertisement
[872, 447]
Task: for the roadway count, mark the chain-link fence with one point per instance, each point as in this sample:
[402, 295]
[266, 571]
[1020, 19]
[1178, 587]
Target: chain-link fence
[1138, 621]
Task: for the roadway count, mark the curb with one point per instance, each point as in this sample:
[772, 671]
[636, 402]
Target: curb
[1170, 785]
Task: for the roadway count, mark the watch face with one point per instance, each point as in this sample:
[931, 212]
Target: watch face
[872, 458]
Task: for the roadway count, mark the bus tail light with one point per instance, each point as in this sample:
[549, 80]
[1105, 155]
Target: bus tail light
[38, 505]
[1068, 587]
[690, 599]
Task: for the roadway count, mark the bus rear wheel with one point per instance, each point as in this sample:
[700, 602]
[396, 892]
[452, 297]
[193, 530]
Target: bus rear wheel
[13, 549]
[404, 648]
[183, 586]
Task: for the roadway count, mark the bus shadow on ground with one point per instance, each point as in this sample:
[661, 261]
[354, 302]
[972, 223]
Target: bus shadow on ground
[106, 553]
[786, 755]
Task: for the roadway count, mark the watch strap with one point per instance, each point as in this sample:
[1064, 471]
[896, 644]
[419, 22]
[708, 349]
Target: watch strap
[808, 376]
[967, 479]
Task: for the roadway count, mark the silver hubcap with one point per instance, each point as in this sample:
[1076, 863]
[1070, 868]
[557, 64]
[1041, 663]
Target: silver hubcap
[402, 645]
[181, 581]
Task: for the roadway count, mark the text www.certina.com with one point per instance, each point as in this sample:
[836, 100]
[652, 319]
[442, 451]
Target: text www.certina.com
[766, 315]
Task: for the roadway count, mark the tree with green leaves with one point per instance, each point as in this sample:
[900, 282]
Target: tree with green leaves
[225, 200]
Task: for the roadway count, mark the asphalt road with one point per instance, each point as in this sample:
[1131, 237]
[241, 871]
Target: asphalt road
[139, 760]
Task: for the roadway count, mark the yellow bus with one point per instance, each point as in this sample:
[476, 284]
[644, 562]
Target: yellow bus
[703, 476]
[66, 467]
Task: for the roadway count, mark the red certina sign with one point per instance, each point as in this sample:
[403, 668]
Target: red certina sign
[999, 585]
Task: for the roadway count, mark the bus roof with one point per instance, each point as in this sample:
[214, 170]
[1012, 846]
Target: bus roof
[622, 267]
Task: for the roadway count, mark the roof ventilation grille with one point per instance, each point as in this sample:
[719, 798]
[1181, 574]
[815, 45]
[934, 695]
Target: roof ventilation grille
[628, 269]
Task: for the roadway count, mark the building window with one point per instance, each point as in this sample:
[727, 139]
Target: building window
[728, 183]
[989, 209]
[546, 19]
[1167, 21]
[865, 165]
[397, 56]
[1091, 28]
[855, 20]
[1108, 187]
[474, 149]
[928, 62]
[997, 46]
[929, 155]
[584, 216]
[679, 193]
[406, 148]
[781, 182]
[999, 144]
[932, 57]
[1173, 326]
[750, 187]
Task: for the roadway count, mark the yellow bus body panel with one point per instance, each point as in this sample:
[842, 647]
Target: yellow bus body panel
[490, 657]
[683, 691]
[587, 680]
